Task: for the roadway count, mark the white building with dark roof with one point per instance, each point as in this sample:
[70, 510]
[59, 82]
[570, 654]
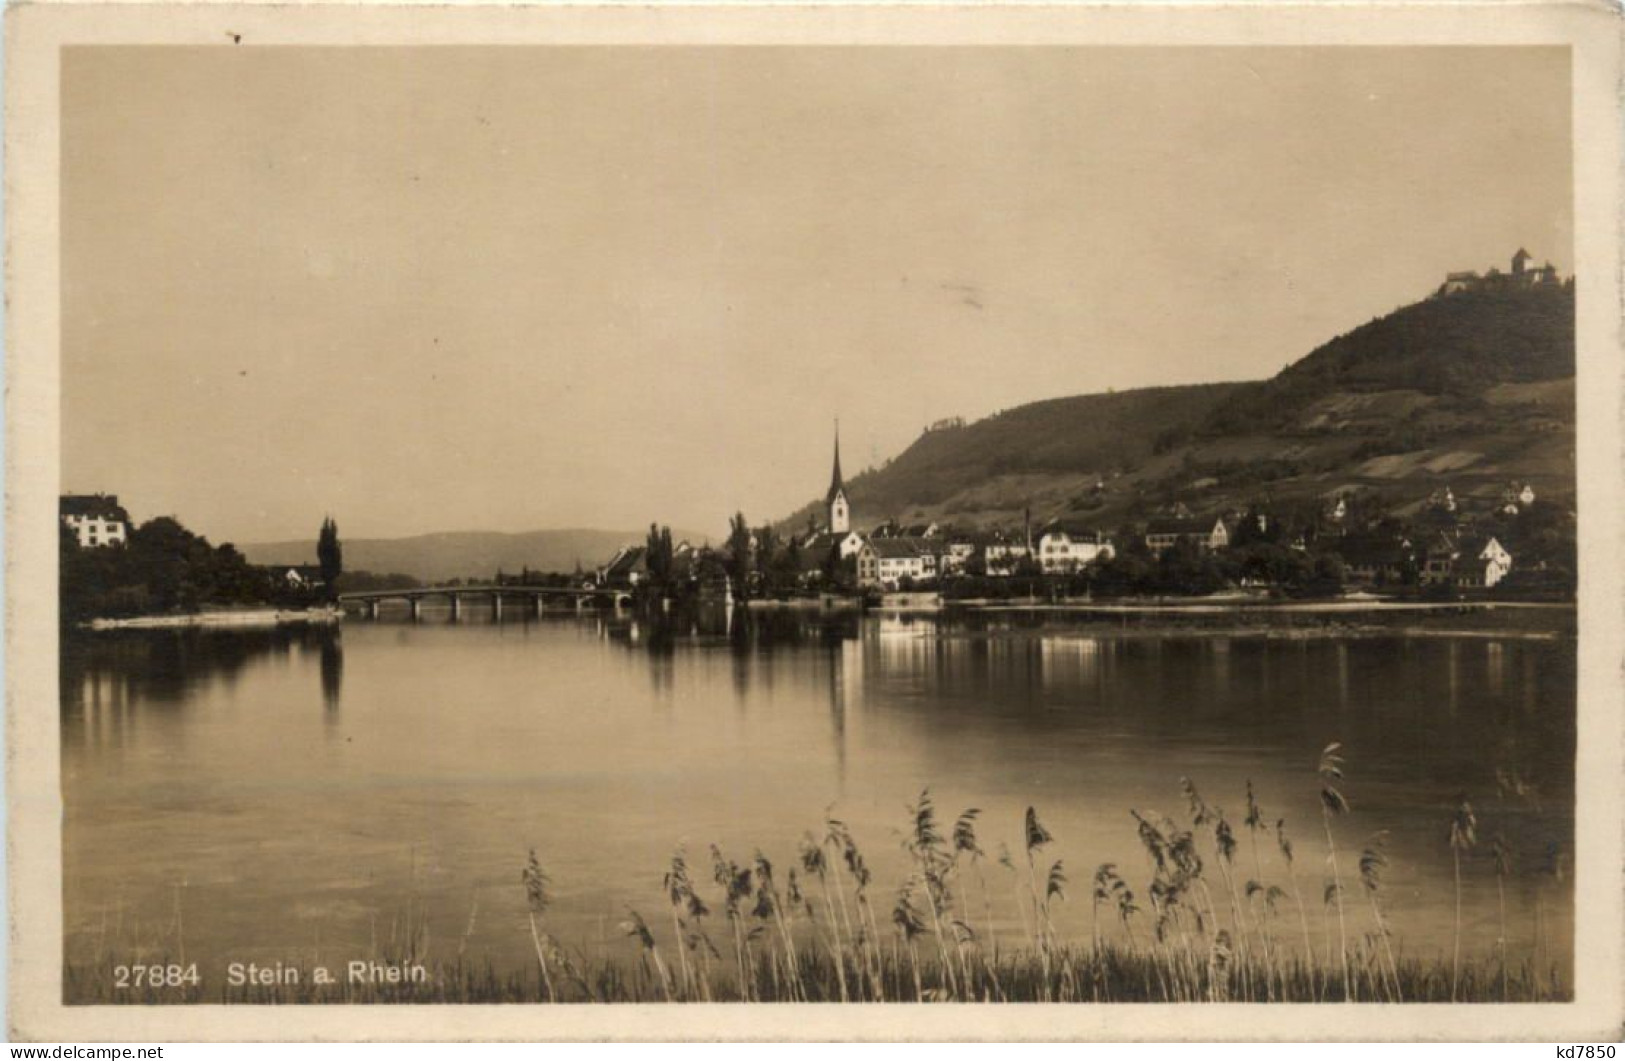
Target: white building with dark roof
[96, 519]
[1066, 547]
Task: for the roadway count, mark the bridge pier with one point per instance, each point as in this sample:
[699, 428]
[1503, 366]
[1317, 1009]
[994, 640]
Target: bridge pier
[537, 600]
[496, 607]
[372, 609]
[416, 604]
[456, 607]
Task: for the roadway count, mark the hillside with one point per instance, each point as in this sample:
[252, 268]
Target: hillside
[461, 554]
[1043, 454]
[1469, 390]
[1460, 345]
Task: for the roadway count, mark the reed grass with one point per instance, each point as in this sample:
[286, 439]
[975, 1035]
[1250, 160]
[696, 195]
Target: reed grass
[812, 933]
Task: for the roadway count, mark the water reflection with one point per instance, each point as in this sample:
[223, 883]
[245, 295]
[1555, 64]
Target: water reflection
[332, 650]
[314, 771]
[107, 676]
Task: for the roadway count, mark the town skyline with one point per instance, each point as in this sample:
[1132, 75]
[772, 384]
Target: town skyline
[885, 246]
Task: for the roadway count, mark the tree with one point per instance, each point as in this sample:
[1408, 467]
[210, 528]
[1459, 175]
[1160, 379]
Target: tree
[330, 555]
[739, 552]
[787, 566]
[660, 555]
[1325, 577]
[1185, 568]
[767, 548]
[163, 567]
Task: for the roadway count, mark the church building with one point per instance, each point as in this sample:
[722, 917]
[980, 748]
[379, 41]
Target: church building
[839, 510]
[837, 532]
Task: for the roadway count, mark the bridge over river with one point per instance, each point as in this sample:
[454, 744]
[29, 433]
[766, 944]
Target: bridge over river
[532, 597]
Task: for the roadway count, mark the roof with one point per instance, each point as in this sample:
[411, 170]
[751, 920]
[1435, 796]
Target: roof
[628, 559]
[1371, 551]
[1474, 545]
[896, 548]
[815, 550]
[1444, 541]
[104, 505]
[1073, 529]
[1176, 526]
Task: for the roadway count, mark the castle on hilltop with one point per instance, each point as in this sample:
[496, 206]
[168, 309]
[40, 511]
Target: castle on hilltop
[1523, 275]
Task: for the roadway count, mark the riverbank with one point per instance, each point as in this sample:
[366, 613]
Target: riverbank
[235, 618]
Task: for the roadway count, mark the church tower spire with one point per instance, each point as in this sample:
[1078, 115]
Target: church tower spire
[840, 513]
[835, 482]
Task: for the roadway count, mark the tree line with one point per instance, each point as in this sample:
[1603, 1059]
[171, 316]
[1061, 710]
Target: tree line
[164, 568]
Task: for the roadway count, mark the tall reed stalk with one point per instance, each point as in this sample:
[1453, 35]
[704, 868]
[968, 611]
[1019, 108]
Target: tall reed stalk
[1372, 863]
[537, 899]
[1463, 835]
[1332, 804]
[1502, 853]
[1284, 842]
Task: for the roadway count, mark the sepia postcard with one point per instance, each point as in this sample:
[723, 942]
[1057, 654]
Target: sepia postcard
[814, 522]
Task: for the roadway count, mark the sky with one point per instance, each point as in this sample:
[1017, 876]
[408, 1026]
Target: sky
[514, 288]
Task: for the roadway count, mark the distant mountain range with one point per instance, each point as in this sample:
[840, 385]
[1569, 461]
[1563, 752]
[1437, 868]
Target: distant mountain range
[463, 554]
[1468, 390]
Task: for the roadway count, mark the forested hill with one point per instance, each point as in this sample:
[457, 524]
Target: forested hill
[1460, 344]
[1467, 390]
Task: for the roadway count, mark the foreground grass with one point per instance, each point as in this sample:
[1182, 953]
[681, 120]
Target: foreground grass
[1205, 929]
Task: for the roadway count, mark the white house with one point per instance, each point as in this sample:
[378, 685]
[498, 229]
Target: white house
[1002, 555]
[96, 519]
[957, 554]
[1468, 562]
[1067, 547]
[628, 567]
[1516, 498]
[821, 543]
[1163, 534]
[303, 576]
[884, 562]
[1481, 563]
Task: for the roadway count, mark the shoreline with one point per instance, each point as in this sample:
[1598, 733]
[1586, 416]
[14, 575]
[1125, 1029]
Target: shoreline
[253, 617]
[1285, 620]
[1230, 606]
[1368, 632]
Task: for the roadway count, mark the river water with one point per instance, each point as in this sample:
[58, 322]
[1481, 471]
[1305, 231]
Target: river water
[300, 793]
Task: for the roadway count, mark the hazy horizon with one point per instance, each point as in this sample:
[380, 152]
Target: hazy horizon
[512, 289]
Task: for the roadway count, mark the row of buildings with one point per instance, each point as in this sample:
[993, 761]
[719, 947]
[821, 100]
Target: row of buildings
[1445, 551]
[1524, 274]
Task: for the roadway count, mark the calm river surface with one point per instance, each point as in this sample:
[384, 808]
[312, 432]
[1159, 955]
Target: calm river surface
[292, 794]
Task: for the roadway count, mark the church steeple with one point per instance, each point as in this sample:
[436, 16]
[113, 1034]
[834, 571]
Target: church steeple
[840, 515]
[835, 483]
